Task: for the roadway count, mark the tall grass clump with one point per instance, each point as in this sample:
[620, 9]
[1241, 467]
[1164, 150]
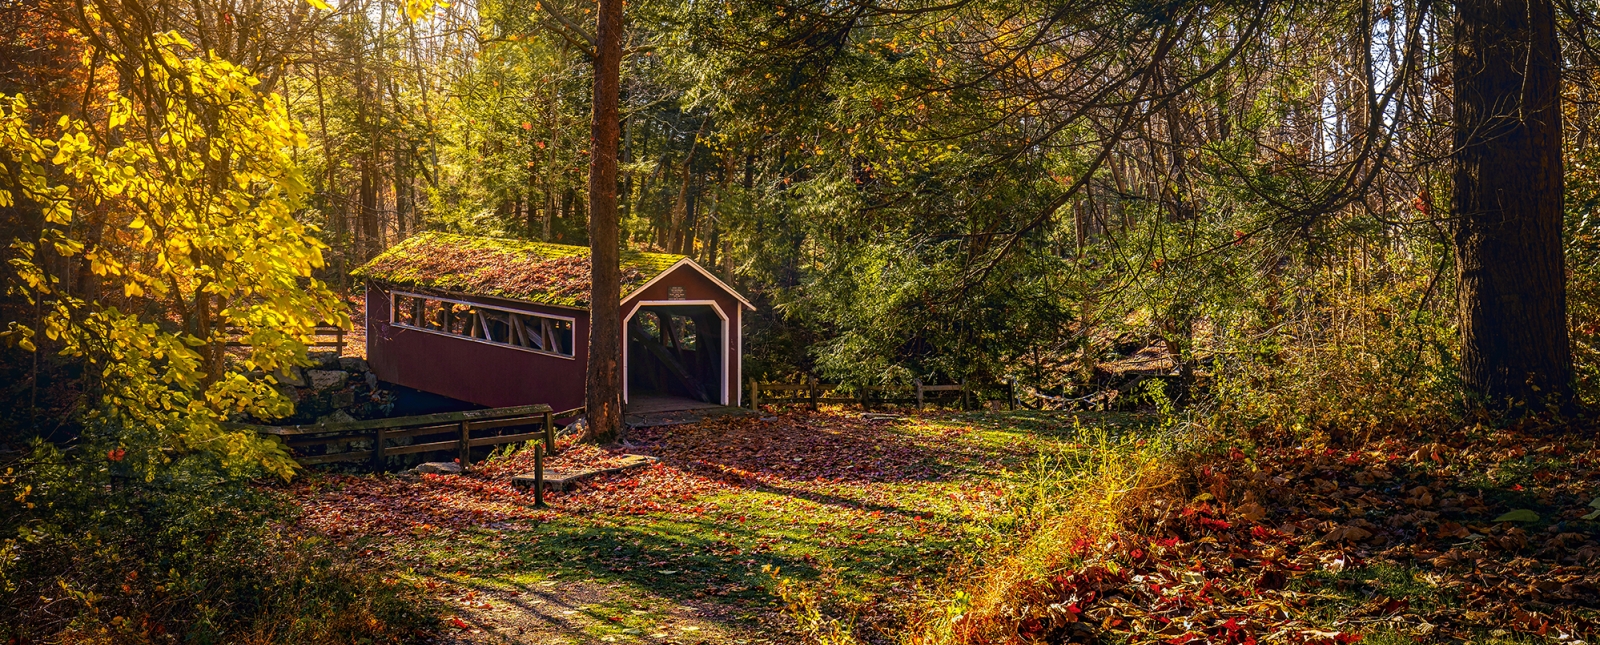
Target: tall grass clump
[1066, 503]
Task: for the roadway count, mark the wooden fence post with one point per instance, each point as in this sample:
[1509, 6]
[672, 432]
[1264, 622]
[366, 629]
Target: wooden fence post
[813, 381]
[550, 432]
[464, 449]
[918, 382]
[755, 395]
[966, 396]
[1011, 393]
[538, 476]
[377, 449]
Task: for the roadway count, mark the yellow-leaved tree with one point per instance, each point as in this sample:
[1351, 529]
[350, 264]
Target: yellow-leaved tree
[179, 199]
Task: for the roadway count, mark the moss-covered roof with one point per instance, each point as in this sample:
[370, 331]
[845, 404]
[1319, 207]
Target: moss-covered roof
[555, 274]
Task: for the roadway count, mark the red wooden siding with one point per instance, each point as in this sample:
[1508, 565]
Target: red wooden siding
[499, 376]
[696, 286]
[473, 371]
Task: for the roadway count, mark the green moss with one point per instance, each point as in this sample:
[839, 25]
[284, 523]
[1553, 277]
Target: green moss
[555, 274]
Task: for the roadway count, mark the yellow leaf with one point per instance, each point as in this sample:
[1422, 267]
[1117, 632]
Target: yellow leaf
[132, 290]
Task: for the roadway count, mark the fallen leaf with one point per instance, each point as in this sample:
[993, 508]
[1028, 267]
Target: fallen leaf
[1347, 534]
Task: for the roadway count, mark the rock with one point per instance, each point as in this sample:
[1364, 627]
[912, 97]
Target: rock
[327, 379]
[353, 364]
[324, 360]
[338, 416]
[288, 392]
[291, 376]
[342, 399]
[372, 381]
[439, 468]
[578, 428]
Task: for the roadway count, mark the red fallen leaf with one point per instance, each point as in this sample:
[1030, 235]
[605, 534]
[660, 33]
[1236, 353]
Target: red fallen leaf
[459, 624]
[1394, 606]
[116, 454]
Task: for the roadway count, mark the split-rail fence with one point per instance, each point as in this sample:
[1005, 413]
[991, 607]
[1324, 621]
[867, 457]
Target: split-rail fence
[810, 392]
[466, 430]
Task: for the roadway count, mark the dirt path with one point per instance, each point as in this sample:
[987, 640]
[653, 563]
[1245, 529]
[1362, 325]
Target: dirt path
[555, 613]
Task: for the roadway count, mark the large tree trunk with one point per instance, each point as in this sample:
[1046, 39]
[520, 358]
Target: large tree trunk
[1508, 193]
[605, 307]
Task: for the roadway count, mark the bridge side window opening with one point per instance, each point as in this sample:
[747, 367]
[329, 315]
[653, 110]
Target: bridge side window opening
[509, 327]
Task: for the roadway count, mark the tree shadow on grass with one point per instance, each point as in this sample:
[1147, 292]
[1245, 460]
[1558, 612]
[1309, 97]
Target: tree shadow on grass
[809, 496]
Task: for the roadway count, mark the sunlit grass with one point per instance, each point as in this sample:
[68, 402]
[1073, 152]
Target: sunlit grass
[853, 545]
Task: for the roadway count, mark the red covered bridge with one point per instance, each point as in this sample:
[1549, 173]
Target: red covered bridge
[502, 322]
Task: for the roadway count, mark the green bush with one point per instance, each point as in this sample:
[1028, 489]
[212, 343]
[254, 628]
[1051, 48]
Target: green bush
[97, 550]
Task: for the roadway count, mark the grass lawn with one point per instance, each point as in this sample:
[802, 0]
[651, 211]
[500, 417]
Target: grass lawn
[690, 550]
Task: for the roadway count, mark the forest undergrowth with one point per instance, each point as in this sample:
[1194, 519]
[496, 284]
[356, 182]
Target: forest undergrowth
[93, 551]
[1473, 535]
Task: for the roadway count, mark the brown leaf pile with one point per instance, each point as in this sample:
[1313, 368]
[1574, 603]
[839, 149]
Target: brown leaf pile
[820, 456]
[1232, 564]
[387, 506]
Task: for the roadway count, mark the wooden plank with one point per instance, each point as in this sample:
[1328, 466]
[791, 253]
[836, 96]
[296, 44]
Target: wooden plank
[519, 332]
[325, 441]
[418, 432]
[550, 433]
[510, 438]
[377, 449]
[538, 476]
[942, 388]
[357, 455]
[423, 447]
[566, 414]
[397, 422]
[506, 423]
[784, 387]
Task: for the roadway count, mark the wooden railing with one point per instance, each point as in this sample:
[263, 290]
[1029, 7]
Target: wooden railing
[460, 426]
[324, 335]
[810, 392]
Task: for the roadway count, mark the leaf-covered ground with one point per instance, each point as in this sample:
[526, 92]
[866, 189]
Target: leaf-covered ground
[1479, 536]
[684, 551]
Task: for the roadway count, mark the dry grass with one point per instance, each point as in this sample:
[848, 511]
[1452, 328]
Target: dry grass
[1068, 505]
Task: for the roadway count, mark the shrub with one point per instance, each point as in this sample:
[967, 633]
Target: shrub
[95, 551]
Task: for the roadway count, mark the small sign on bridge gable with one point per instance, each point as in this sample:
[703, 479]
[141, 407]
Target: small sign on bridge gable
[675, 293]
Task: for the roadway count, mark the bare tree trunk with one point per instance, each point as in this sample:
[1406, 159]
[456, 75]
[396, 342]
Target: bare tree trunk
[605, 301]
[1508, 203]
